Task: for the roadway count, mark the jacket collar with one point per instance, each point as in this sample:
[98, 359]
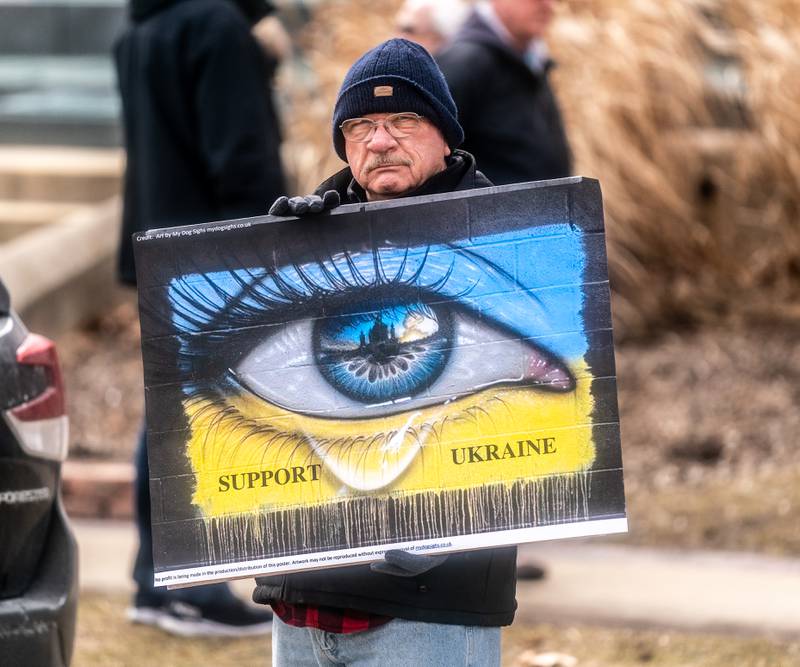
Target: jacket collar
[459, 174]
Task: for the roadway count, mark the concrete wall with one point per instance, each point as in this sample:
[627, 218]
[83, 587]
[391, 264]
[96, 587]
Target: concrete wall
[63, 273]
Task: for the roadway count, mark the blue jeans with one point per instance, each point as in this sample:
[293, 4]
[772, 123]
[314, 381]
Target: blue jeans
[398, 643]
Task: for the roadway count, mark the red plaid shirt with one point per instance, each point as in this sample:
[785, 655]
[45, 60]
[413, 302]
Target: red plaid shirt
[329, 619]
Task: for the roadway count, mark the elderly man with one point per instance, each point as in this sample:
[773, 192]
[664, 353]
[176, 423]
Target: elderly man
[497, 68]
[396, 126]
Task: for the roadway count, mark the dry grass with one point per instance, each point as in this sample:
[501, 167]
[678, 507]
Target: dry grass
[106, 639]
[700, 178]
[768, 36]
[709, 432]
[606, 647]
[745, 514]
[699, 172]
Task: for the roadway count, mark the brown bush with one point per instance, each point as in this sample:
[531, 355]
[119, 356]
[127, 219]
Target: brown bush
[687, 114]
[699, 170]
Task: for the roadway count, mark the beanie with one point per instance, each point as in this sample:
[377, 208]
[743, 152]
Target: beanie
[394, 77]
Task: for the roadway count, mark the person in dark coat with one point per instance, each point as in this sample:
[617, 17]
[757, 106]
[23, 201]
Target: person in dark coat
[396, 126]
[203, 143]
[201, 130]
[497, 68]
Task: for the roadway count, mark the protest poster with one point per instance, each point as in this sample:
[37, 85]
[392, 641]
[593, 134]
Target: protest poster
[431, 373]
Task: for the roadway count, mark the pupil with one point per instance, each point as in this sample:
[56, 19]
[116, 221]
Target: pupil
[384, 355]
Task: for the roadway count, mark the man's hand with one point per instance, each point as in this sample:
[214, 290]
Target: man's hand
[309, 204]
[403, 564]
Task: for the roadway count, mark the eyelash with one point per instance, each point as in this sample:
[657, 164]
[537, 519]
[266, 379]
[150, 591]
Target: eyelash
[230, 418]
[258, 304]
[240, 314]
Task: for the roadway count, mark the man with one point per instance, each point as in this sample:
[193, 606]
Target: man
[497, 69]
[202, 144]
[396, 126]
[430, 23]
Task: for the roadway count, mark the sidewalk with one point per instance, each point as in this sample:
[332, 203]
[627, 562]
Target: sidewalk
[587, 582]
[747, 594]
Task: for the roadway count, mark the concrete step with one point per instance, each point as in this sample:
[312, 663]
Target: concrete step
[60, 26]
[60, 100]
[20, 217]
[50, 271]
[46, 72]
[59, 173]
[98, 489]
[102, 133]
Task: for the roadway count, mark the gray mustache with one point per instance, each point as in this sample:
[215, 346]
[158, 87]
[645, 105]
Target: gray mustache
[387, 162]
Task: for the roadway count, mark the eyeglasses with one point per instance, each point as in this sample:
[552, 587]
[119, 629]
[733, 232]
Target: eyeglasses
[399, 125]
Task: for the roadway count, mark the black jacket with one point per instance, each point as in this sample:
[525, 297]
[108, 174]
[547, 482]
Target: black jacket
[201, 131]
[470, 588]
[510, 116]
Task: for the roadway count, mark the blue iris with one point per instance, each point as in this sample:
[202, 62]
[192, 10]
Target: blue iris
[384, 355]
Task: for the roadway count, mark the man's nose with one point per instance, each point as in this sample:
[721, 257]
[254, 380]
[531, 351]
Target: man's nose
[381, 140]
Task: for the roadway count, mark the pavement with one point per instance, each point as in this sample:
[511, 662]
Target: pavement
[587, 582]
[106, 549]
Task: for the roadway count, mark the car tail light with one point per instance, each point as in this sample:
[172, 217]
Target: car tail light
[41, 424]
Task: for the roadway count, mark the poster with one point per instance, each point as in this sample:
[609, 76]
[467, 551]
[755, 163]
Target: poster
[433, 373]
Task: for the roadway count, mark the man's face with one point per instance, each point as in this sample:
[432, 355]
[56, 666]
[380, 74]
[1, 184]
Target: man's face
[388, 167]
[525, 19]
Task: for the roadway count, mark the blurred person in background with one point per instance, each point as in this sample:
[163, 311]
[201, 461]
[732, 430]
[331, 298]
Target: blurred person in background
[431, 23]
[273, 38]
[497, 67]
[203, 143]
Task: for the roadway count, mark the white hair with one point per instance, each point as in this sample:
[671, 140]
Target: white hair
[447, 16]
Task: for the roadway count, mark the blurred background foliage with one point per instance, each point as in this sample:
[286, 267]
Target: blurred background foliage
[686, 112]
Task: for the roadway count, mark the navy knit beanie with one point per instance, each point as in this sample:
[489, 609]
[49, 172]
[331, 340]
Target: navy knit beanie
[397, 76]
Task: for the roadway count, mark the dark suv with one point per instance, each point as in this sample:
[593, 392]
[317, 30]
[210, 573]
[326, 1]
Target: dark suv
[38, 554]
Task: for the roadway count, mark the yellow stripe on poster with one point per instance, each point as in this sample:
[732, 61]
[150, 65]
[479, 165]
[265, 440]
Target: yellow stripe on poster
[249, 455]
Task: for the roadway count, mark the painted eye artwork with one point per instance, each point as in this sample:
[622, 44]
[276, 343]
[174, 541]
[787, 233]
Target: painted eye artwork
[371, 361]
[372, 357]
[385, 360]
[343, 392]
